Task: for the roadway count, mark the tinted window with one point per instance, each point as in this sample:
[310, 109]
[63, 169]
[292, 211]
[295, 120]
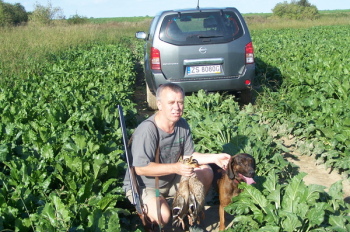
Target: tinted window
[200, 28]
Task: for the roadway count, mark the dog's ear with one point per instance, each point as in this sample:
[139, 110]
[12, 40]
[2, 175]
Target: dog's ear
[254, 164]
[253, 161]
[230, 171]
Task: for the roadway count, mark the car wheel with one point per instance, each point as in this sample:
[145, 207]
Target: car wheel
[151, 99]
[246, 96]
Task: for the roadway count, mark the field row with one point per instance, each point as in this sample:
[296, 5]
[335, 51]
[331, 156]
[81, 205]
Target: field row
[305, 76]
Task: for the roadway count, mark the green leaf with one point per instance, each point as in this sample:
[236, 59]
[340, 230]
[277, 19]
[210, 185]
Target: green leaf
[59, 169]
[49, 213]
[275, 197]
[313, 193]
[62, 214]
[106, 201]
[255, 196]
[85, 191]
[96, 220]
[97, 166]
[3, 152]
[295, 192]
[113, 223]
[77, 165]
[302, 209]
[92, 147]
[338, 223]
[70, 147]
[269, 228]
[271, 183]
[71, 183]
[291, 222]
[107, 184]
[316, 214]
[341, 137]
[80, 141]
[47, 151]
[336, 194]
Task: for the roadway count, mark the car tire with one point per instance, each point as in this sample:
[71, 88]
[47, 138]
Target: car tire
[246, 96]
[151, 99]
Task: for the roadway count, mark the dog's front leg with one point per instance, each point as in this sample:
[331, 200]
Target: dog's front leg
[222, 217]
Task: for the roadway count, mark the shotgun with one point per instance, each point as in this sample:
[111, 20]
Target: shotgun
[132, 176]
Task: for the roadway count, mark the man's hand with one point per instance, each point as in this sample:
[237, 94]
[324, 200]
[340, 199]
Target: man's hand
[184, 169]
[222, 160]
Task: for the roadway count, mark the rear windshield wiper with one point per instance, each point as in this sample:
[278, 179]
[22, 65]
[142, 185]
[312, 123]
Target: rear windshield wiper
[210, 36]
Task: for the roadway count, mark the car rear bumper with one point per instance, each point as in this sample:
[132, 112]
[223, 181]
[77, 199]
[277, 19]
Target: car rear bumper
[235, 83]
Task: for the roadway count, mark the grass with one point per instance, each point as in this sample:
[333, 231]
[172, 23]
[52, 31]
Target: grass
[23, 49]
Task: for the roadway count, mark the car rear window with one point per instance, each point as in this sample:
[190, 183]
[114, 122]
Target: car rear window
[200, 28]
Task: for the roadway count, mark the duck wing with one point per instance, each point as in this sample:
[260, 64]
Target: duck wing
[196, 200]
[180, 203]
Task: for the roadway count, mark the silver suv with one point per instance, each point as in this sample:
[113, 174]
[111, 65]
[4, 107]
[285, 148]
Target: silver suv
[209, 49]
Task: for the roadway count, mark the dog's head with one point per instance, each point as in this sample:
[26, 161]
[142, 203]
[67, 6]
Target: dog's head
[242, 168]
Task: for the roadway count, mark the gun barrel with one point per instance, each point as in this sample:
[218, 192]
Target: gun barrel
[133, 182]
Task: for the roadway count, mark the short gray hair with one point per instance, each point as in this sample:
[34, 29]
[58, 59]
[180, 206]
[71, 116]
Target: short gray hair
[172, 86]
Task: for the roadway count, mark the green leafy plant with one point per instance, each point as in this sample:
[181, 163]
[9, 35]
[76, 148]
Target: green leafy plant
[61, 164]
[311, 96]
[292, 206]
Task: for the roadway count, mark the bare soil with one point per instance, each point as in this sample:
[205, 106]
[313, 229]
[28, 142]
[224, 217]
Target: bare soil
[140, 99]
[316, 173]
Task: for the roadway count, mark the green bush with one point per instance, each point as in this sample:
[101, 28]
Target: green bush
[45, 15]
[11, 15]
[77, 19]
[296, 10]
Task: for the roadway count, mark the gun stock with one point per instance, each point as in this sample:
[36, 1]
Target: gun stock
[132, 176]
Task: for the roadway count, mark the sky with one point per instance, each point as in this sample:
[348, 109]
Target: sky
[131, 8]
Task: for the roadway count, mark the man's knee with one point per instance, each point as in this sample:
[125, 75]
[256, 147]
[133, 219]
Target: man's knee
[205, 175]
[152, 210]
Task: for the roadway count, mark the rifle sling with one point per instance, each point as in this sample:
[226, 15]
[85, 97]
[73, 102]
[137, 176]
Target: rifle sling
[157, 160]
[158, 197]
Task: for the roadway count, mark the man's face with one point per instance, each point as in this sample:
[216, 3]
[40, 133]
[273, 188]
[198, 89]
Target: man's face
[171, 104]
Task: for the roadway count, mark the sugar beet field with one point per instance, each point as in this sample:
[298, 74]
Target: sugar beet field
[61, 153]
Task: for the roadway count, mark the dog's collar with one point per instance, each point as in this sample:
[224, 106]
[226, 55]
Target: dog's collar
[235, 180]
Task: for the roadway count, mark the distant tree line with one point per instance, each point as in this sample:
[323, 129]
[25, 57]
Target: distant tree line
[296, 10]
[15, 15]
[12, 14]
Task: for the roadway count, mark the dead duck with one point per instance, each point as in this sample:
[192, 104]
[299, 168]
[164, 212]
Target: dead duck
[180, 203]
[196, 200]
[187, 201]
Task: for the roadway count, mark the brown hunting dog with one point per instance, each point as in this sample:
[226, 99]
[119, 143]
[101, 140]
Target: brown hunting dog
[241, 168]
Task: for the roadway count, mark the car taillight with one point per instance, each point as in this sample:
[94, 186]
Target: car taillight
[155, 59]
[249, 53]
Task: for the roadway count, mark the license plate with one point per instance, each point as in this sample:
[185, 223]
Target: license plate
[207, 69]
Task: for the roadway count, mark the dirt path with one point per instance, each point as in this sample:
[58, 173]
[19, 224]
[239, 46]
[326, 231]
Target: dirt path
[316, 174]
